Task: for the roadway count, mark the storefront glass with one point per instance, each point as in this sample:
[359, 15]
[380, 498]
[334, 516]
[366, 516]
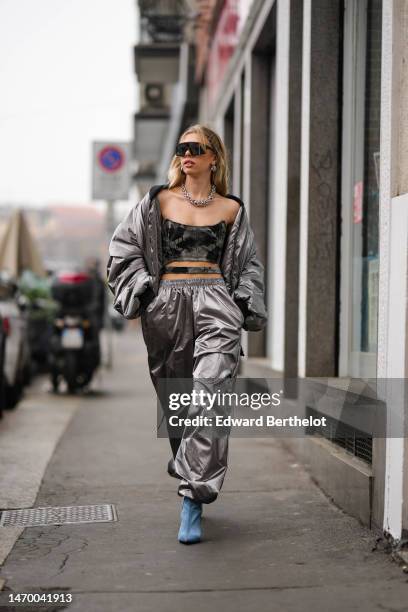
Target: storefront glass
[361, 153]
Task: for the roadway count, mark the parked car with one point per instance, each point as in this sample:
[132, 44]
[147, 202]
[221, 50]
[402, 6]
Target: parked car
[17, 365]
[3, 338]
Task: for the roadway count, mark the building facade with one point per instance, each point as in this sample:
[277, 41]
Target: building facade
[164, 60]
[310, 98]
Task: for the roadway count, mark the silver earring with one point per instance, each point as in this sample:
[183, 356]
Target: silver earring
[213, 168]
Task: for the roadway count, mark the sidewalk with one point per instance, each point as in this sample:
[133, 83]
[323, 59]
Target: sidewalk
[272, 541]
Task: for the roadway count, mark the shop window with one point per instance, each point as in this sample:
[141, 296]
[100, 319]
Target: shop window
[360, 187]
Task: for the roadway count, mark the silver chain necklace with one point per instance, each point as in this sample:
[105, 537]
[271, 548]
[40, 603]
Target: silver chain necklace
[204, 202]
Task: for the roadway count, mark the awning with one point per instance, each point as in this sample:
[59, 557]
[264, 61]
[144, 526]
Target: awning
[18, 249]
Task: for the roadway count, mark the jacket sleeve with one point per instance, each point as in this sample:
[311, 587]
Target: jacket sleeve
[128, 277]
[249, 293]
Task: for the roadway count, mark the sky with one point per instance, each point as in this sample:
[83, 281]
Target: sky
[66, 79]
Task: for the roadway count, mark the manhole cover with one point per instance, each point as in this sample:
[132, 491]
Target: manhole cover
[58, 515]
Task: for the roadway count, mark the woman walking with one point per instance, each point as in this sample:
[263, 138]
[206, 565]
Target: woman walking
[184, 259]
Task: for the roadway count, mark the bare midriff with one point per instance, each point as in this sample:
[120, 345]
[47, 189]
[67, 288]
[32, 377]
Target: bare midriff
[201, 264]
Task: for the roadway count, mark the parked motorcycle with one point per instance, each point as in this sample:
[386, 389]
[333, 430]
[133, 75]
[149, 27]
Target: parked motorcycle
[75, 344]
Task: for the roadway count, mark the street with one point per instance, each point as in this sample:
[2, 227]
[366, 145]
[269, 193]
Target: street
[272, 541]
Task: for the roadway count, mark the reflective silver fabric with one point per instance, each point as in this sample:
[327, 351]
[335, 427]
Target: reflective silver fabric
[192, 329]
[136, 260]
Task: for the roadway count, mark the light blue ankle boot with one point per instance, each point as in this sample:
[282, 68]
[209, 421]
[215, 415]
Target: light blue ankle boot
[190, 526]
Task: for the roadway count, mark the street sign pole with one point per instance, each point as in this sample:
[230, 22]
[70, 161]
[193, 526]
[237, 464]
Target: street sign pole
[110, 182]
[110, 217]
[110, 227]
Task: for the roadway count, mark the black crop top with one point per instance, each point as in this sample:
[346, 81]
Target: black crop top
[182, 242]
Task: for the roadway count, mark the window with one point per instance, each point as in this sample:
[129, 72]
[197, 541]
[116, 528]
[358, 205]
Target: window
[360, 187]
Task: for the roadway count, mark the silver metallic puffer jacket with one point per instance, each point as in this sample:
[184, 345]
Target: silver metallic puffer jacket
[135, 261]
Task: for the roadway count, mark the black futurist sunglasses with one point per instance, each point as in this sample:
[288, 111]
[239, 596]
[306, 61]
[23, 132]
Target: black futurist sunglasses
[195, 148]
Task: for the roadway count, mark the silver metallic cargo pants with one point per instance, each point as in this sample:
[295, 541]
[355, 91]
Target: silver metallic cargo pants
[192, 329]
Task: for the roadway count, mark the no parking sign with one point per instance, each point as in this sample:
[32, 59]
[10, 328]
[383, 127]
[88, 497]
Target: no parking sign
[111, 170]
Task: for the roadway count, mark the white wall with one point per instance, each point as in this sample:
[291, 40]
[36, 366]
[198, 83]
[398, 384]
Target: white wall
[393, 283]
[276, 268]
[304, 186]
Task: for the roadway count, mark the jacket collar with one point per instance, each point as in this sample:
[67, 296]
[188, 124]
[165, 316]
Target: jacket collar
[236, 198]
[154, 190]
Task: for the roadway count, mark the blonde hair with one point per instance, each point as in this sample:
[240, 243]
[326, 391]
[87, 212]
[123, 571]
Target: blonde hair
[220, 177]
